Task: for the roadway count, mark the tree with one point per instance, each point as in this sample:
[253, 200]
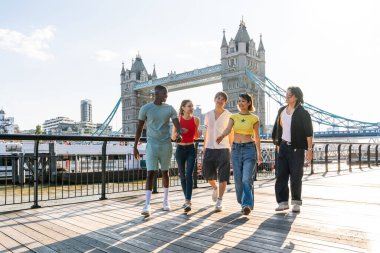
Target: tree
[38, 129]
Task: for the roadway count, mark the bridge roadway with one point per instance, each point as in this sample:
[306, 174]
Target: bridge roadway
[340, 214]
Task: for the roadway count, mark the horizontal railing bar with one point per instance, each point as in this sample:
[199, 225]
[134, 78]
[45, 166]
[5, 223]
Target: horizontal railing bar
[64, 137]
[114, 138]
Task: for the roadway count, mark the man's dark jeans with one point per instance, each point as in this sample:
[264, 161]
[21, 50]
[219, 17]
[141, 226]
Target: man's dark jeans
[185, 155]
[290, 163]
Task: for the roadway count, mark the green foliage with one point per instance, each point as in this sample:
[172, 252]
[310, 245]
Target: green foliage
[38, 129]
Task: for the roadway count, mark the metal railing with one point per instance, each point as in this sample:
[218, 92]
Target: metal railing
[37, 168]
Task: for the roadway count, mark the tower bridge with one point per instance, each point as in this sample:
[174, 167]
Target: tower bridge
[242, 69]
[237, 55]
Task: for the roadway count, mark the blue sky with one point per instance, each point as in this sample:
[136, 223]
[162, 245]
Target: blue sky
[55, 53]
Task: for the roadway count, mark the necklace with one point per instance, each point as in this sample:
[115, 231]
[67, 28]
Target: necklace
[289, 111]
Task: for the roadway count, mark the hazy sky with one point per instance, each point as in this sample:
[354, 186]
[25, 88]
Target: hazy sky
[55, 53]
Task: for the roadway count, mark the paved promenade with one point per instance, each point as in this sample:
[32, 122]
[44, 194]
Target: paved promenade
[341, 213]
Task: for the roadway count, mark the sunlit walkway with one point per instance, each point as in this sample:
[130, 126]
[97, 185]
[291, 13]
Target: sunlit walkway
[341, 213]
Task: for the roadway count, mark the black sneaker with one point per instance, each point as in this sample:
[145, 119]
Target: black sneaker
[187, 208]
[246, 210]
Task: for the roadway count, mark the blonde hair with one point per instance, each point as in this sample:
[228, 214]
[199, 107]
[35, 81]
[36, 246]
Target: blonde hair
[183, 103]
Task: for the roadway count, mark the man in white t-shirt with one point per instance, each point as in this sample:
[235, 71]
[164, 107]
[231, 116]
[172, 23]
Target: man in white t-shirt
[216, 160]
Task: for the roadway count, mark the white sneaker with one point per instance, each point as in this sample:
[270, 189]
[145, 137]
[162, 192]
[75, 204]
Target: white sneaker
[146, 211]
[282, 207]
[296, 208]
[166, 206]
[215, 194]
[218, 206]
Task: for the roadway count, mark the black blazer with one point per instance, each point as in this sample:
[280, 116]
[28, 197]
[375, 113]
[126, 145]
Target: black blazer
[301, 128]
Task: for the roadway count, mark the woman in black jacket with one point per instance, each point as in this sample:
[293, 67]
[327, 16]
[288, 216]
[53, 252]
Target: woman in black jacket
[293, 133]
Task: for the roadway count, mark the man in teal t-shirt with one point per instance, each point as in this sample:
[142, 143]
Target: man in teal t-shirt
[159, 148]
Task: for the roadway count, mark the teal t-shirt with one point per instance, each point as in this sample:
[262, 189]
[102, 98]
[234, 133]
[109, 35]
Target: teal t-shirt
[157, 119]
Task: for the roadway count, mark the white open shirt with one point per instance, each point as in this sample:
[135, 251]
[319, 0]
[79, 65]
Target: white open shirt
[215, 128]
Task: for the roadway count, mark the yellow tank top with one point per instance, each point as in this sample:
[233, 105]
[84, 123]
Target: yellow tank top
[243, 124]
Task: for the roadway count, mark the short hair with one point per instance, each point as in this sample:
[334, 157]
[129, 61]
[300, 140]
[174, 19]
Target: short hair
[222, 94]
[297, 92]
[159, 88]
[249, 98]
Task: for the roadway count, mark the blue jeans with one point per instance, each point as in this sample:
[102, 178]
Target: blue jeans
[185, 156]
[244, 158]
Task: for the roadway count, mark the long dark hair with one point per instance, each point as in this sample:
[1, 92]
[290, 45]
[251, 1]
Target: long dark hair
[297, 92]
[249, 99]
[183, 103]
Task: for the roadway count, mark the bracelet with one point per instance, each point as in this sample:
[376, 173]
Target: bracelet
[310, 149]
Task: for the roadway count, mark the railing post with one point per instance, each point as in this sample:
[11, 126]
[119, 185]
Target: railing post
[339, 147]
[21, 178]
[360, 156]
[14, 170]
[52, 162]
[35, 176]
[195, 171]
[327, 158]
[350, 158]
[377, 155]
[104, 157]
[369, 156]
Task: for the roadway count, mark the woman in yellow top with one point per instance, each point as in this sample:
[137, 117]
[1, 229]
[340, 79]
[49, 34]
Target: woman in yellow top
[245, 150]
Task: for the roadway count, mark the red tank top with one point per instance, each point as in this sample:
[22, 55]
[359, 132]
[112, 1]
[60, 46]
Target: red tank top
[189, 125]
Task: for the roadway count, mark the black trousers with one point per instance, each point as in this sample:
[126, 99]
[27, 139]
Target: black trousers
[290, 164]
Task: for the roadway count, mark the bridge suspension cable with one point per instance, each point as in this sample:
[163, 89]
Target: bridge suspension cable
[108, 120]
[318, 115]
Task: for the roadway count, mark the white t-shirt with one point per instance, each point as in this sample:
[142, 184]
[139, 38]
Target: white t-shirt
[215, 128]
[286, 126]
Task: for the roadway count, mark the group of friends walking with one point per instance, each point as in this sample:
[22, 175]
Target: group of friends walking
[227, 137]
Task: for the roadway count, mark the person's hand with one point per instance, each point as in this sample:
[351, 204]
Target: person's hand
[136, 153]
[219, 139]
[179, 138]
[309, 155]
[259, 161]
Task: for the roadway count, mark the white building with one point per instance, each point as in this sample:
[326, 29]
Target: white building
[67, 126]
[6, 124]
[59, 125]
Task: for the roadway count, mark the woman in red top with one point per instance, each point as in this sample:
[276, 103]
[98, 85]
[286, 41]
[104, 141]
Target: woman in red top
[185, 153]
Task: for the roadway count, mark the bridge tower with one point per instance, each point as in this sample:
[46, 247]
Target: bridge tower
[238, 54]
[133, 100]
